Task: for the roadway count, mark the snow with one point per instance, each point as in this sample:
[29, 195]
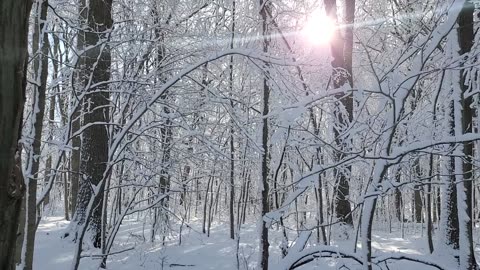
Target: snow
[219, 252]
[202, 252]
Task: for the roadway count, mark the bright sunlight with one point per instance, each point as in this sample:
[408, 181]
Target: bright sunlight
[319, 29]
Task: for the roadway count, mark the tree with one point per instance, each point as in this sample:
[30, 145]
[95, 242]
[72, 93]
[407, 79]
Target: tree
[265, 204]
[13, 54]
[95, 137]
[342, 47]
[232, 133]
[160, 219]
[40, 65]
[77, 117]
[465, 34]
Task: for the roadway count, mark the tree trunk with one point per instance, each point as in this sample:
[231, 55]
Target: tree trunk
[161, 217]
[342, 59]
[429, 207]
[417, 193]
[76, 116]
[465, 33]
[94, 146]
[232, 145]
[449, 207]
[40, 66]
[205, 203]
[398, 196]
[13, 53]
[264, 244]
[247, 197]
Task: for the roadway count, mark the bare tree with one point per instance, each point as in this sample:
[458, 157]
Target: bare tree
[264, 244]
[13, 54]
[95, 137]
[40, 65]
[341, 47]
[465, 32]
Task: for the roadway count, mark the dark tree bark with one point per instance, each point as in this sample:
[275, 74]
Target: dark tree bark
[341, 48]
[458, 196]
[429, 208]
[94, 148]
[76, 117]
[264, 244]
[438, 203]
[417, 194]
[205, 203]
[398, 197]
[13, 53]
[465, 33]
[450, 211]
[232, 132]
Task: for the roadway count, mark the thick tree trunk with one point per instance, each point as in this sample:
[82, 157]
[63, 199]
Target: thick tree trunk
[94, 146]
[13, 53]
[342, 59]
[417, 204]
[449, 211]
[465, 33]
[449, 205]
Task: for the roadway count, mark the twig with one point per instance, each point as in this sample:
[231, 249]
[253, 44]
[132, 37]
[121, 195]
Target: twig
[105, 255]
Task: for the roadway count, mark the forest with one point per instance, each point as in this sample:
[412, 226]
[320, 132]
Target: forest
[239, 134]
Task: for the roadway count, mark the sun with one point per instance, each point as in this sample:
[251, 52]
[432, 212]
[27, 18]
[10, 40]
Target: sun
[319, 29]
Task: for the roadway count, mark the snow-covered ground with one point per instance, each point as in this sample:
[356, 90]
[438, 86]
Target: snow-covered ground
[198, 251]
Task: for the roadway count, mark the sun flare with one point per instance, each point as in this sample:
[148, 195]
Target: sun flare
[319, 29]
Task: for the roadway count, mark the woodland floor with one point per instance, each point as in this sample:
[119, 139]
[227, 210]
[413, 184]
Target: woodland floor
[199, 252]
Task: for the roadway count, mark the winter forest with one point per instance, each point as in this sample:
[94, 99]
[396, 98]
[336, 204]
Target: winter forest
[239, 134]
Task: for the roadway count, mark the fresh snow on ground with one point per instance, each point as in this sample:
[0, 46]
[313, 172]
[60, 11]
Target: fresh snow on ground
[198, 251]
